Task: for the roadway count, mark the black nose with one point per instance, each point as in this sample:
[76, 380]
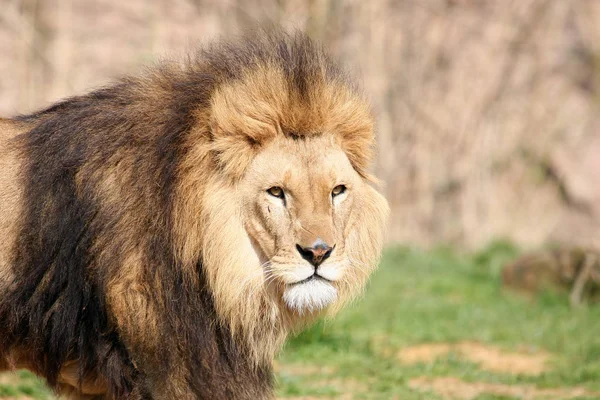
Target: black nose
[317, 253]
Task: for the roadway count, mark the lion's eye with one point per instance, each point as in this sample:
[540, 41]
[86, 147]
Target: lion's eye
[339, 189]
[276, 191]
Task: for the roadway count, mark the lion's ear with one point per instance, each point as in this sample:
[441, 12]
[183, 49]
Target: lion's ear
[349, 117]
[244, 116]
[237, 137]
[233, 151]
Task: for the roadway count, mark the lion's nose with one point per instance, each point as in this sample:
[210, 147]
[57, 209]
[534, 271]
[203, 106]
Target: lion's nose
[317, 253]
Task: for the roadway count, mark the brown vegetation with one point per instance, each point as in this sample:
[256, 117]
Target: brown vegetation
[574, 269]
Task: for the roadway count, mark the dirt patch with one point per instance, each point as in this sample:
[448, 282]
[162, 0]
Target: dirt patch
[8, 378]
[454, 388]
[424, 353]
[346, 389]
[496, 360]
[346, 386]
[525, 362]
[300, 398]
[303, 369]
[342, 397]
[322, 376]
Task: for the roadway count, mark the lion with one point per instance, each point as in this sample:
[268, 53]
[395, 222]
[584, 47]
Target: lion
[162, 236]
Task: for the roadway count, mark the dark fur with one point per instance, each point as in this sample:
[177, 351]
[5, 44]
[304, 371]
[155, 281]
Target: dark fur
[71, 241]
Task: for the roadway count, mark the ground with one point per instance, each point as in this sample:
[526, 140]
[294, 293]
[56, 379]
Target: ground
[435, 325]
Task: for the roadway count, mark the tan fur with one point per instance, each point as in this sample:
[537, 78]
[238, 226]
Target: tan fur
[10, 196]
[257, 131]
[235, 247]
[245, 117]
[129, 289]
[260, 107]
[69, 376]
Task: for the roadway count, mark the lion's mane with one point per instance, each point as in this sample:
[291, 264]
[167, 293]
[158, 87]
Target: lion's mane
[127, 245]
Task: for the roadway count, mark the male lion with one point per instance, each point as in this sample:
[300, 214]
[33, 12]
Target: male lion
[160, 237]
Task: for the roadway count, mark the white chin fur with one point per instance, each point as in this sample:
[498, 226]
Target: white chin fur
[310, 296]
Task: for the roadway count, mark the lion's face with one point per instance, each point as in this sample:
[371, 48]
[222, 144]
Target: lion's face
[288, 225]
[301, 200]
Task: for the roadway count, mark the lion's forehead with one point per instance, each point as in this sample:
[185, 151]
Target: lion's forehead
[302, 164]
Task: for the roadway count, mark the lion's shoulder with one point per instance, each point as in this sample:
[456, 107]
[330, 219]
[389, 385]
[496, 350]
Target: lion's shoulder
[10, 128]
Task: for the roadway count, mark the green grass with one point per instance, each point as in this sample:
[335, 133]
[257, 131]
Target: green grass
[440, 296]
[423, 297]
[23, 384]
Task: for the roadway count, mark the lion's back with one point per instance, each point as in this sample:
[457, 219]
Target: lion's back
[10, 193]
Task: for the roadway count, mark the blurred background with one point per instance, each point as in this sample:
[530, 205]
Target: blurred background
[488, 143]
[487, 111]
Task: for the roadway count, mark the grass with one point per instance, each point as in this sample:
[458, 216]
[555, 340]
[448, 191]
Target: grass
[23, 384]
[434, 296]
[440, 296]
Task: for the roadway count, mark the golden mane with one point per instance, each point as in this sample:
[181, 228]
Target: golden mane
[133, 263]
[244, 115]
